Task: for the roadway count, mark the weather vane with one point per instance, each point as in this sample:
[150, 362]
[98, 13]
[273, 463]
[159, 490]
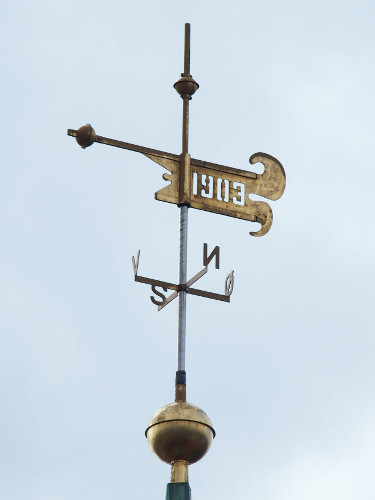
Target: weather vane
[181, 433]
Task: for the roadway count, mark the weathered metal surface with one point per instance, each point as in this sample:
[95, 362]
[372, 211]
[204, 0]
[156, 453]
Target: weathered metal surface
[209, 186]
[178, 491]
[179, 473]
[88, 135]
[207, 258]
[180, 392]
[181, 339]
[224, 190]
[208, 295]
[185, 286]
[180, 431]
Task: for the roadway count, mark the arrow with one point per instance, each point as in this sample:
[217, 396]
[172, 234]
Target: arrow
[205, 185]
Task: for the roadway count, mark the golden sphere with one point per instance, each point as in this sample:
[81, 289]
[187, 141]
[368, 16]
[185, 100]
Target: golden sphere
[180, 431]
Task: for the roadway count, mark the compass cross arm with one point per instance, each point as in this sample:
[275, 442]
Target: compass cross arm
[153, 282]
[208, 295]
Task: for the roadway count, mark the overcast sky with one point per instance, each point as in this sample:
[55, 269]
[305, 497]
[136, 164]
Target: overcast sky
[286, 370]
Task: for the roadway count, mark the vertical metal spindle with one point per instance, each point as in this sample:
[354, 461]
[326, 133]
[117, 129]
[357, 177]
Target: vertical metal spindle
[183, 218]
[182, 294]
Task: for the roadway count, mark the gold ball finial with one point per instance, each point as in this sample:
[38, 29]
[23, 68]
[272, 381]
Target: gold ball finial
[180, 431]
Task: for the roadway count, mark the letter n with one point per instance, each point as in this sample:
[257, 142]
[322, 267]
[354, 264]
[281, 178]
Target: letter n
[215, 253]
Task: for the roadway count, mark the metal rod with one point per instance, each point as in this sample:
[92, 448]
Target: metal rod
[182, 294]
[185, 125]
[183, 219]
[208, 295]
[150, 281]
[187, 50]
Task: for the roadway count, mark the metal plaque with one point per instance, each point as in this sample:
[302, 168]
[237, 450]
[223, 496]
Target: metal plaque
[223, 190]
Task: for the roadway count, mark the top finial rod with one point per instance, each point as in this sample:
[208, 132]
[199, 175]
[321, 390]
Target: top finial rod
[187, 50]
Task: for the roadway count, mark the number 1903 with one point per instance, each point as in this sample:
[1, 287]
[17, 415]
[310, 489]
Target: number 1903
[209, 186]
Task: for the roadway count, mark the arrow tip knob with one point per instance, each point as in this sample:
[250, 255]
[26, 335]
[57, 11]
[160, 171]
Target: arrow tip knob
[85, 136]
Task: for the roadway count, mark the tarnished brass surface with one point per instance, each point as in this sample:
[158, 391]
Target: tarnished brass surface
[184, 179]
[179, 472]
[209, 186]
[125, 145]
[180, 394]
[227, 190]
[208, 295]
[182, 287]
[186, 87]
[85, 136]
[180, 431]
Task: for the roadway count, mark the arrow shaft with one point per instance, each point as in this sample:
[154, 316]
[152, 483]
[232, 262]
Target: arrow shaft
[131, 147]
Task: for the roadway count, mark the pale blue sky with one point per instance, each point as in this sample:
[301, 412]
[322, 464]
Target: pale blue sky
[286, 370]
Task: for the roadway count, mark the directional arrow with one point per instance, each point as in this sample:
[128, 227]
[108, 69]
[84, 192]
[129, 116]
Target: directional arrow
[208, 186]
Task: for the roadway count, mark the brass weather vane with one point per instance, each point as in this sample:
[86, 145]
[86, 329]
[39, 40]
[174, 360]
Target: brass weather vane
[181, 433]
